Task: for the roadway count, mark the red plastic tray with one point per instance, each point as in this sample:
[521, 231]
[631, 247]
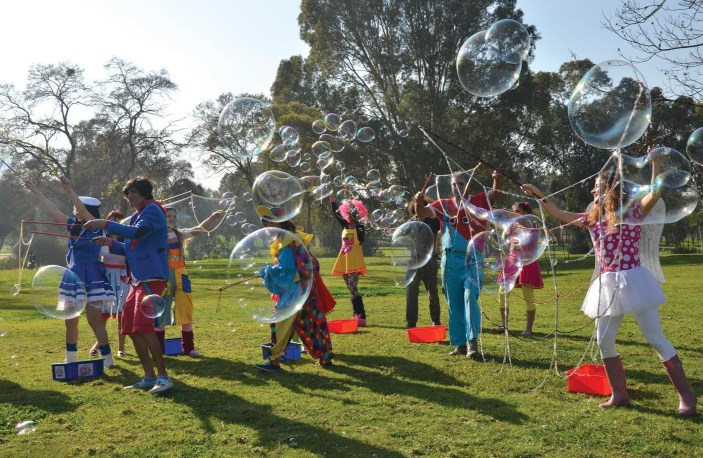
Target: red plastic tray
[427, 334]
[589, 379]
[343, 326]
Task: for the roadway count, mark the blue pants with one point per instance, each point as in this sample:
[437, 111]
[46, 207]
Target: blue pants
[461, 279]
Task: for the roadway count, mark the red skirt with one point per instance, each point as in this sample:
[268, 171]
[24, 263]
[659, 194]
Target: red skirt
[531, 275]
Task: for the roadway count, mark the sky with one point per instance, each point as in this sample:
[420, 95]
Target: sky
[210, 47]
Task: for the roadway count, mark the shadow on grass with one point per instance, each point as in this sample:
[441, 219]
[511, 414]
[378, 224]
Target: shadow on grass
[212, 406]
[409, 378]
[48, 400]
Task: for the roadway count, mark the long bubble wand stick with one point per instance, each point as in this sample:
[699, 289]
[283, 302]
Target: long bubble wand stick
[478, 158]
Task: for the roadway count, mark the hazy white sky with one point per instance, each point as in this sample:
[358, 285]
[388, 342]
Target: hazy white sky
[214, 46]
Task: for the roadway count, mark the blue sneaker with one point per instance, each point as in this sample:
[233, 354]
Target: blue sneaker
[143, 384]
[268, 367]
[163, 383]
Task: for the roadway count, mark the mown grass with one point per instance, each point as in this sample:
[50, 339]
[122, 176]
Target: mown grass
[385, 397]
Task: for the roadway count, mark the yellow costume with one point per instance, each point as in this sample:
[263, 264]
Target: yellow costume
[351, 257]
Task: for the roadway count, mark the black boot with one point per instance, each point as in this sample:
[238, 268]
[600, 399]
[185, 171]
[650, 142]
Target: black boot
[359, 312]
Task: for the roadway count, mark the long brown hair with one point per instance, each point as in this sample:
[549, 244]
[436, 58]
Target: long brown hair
[608, 201]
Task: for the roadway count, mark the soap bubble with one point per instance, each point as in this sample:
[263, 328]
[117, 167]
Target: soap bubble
[318, 126]
[694, 146]
[246, 127]
[347, 130]
[278, 153]
[332, 122]
[611, 106]
[414, 244]
[511, 39]
[525, 238]
[491, 263]
[289, 135]
[481, 69]
[152, 306]
[373, 175]
[365, 134]
[285, 286]
[58, 292]
[247, 196]
[336, 144]
[277, 195]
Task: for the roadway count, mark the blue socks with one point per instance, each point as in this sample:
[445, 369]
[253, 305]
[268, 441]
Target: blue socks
[105, 349]
[71, 347]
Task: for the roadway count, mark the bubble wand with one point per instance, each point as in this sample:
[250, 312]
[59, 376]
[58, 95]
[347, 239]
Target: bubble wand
[228, 286]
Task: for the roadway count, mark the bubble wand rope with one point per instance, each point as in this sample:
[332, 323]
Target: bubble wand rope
[50, 223]
[62, 235]
[427, 134]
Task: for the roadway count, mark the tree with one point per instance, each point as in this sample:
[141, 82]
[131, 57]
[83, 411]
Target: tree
[38, 122]
[668, 30]
[400, 59]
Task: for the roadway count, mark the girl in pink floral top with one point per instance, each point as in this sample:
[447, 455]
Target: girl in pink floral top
[622, 286]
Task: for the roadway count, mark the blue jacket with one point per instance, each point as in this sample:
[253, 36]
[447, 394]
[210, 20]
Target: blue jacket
[145, 244]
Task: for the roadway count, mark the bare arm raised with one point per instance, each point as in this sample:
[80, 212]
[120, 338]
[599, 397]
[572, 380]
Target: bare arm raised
[549, 206]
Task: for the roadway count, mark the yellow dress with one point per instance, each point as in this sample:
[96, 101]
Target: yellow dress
[353, 260]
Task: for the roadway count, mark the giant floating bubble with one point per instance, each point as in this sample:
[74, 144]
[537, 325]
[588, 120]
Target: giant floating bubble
[246, 127]
[271, 273]
[481, 69]
[58, 293]
[694, 146]
[277, 195]
[511, 40]
[611, 106]
[413, 244]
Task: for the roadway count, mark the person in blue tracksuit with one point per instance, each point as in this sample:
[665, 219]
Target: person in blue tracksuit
[146, 251]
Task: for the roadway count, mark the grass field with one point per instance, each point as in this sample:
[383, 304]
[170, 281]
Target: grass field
[385, 397]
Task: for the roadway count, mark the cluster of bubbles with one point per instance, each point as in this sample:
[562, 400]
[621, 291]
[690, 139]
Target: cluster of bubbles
[498, 254]
[489, 62]
[664, 171]
[267, 289]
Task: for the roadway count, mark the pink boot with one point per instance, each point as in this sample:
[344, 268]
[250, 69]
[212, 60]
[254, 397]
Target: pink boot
[687, 400]
[616, 377]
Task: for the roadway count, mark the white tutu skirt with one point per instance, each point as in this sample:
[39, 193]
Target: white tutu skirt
[618, 293]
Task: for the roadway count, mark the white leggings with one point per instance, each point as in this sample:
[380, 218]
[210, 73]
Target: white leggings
[650, 325]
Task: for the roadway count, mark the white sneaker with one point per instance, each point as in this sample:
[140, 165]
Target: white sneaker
[195, 354]
[163, 383]
[71, 357]
[108, 360]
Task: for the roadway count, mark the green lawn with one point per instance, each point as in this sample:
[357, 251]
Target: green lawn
[385, 397]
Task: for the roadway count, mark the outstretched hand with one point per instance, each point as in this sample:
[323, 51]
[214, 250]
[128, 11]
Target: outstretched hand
[96, 224]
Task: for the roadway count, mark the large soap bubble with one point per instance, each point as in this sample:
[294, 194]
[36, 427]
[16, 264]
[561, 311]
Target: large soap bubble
[58, 293]
[277, 195]
[414, 244]
[694, 146]
[246, 127]
[611, 106]
[675, 203]
[491, 263]
[152, 306]
[525, 238]
[481, 69]
[270, 271]
[511, 39]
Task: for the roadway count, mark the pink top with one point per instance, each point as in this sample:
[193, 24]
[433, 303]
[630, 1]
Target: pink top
[620, 250]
